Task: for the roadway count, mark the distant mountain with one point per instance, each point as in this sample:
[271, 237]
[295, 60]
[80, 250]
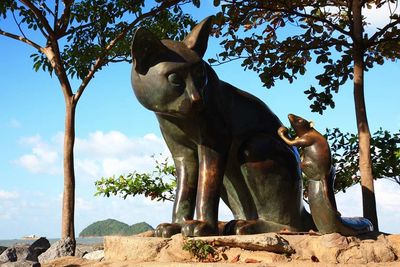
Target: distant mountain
[114, 227]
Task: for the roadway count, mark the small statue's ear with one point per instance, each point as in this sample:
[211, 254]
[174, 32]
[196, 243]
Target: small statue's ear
[146, 50]
[312, 124]
[197, 39]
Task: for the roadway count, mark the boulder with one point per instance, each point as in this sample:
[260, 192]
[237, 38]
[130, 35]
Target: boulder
[10, 254]
[97, 255]
[2, 249]
[149, 233]
[40, 245]
[83, 249]
[335, 248]
[394, 241]
[21, 252]
[270, 242]
[15, 252]
[23, 263]
[63, 247]
[37, 248]
[329, 249]
[122, 248]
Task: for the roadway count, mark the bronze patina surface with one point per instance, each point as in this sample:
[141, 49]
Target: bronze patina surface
[224, 142]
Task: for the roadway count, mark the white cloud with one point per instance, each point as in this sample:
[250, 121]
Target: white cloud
[87, 168]
[114, 153]
[378, 17]
[388, 195]
[387, 198]
[100, 154]
[43, 158]
[5, 195]
[14, 123]
[116, 144]
[82, 204]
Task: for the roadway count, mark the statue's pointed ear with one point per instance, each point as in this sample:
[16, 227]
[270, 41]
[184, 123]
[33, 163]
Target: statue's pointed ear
[146, 50]
[197, 39]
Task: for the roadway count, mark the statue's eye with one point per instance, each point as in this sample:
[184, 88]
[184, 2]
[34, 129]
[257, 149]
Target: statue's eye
[176, 80]
[199, 76]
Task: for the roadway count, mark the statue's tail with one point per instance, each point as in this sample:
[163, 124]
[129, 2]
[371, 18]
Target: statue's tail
[324, 210]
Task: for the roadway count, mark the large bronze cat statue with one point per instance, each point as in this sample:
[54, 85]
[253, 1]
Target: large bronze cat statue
[224, 142]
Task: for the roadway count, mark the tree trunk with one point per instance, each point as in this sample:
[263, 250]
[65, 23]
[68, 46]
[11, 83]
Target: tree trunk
[364, 135]
[68, 204]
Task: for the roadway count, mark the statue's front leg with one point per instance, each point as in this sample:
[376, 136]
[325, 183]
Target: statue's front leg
[186, 164]
[211, 172]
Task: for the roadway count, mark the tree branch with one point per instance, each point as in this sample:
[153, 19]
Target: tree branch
[73, 29]
[63, 22]
[56, 6]
[18, 24]
[382, 31]
[290, 11]
[101, 60]
[22, 39]
[397, 39]
[305, 15]
[48, 9]
[38, 14]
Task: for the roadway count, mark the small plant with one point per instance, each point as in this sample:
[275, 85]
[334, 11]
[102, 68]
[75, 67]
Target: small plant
[201, 250]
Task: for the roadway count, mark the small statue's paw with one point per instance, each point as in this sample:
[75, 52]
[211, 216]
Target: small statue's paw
[167, 229]
[198, 228]
[282, 131]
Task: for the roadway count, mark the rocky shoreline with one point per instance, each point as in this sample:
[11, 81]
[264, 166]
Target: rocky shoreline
[40, 252]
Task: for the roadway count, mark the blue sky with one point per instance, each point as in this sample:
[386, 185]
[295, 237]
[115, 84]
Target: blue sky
[116, 135]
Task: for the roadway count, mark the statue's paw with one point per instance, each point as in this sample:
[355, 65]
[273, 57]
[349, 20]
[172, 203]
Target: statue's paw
[198, 228]
[221, 227]
[241, 227]
[167, 229]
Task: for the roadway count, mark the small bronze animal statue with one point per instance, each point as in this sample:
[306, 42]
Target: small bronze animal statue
[223, 141]
[317, 166]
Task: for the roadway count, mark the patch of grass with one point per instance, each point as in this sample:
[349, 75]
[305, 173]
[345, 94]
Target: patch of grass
[201, 250]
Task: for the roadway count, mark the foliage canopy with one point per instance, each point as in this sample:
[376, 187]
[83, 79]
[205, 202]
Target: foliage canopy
[277, 39]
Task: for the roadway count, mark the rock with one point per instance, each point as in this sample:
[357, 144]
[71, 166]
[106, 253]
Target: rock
[173, 251]
[2, 249]
[334, 240]
[97, 255]
[63, 247]
[23, 263]
[367, 251]
[394, 241]
[326, 250]
[40, 245]
[9, 254]
[238, 255]
[37, 248]
[121, 248]
[83, 249]
[21, 252]
[334, 248]
[260, 242]
[15, 252]
[149, 233]
[72, 261]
